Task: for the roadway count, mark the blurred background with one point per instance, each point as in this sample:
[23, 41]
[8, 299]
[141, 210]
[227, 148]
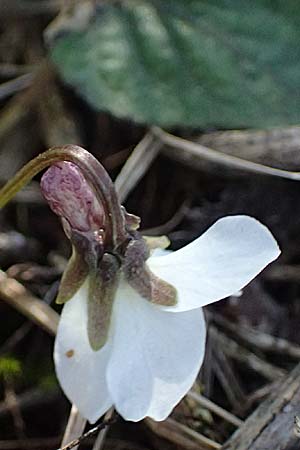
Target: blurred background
[193, 108]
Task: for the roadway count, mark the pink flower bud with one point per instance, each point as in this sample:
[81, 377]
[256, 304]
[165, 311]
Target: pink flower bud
[70, 196]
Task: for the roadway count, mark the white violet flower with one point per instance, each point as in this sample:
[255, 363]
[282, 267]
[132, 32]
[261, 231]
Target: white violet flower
[132, 332]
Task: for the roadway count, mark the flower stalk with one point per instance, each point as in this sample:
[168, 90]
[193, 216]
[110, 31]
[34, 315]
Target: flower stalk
[96, 176]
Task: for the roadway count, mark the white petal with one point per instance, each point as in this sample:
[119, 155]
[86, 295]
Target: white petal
[80, 370]
[219, 263]
[156, 356]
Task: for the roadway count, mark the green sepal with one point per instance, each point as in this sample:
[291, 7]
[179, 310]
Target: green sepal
[140, 277]
[73, 277]
[103, 284]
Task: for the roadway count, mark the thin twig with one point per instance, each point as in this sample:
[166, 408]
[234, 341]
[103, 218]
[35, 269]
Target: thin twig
[193, 153]
[194, 434]
[17, 84]
[245, 356]
[37, 311]
[14, 70]
[137, 165]
[89, 433]
[15, 338]
[216, 409]
[99, 442]
[30, 399]
[75, 427]
[168, 226]
[181, 435]
[227, 378]
[258, 339]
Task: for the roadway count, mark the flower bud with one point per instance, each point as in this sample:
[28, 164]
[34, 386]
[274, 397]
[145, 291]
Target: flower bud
[70, 197]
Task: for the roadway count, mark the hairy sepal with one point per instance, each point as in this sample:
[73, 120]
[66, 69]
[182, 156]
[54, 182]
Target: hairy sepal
[140, 277]
[103, 283]
[73, 277]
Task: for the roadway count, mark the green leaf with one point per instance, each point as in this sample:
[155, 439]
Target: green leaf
[220, 63]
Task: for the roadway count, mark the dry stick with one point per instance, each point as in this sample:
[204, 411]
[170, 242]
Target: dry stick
[195, 154]
[29, 399]
[21, 104]
[98, 445]
[181, 435]
[241, 354]
[37, 311]
[14, 70]
[75, 427]
[91, 432]
[137, 165]
[168, 226]
[18, 84]
[13, 405]
[285, 272]
[193, 434]
[230, 383]
[262, 341]
[15, 338]
[271, 426]
[216, 409]
[276, 147]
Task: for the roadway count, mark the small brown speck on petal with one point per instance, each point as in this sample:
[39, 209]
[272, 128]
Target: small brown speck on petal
[69, 353]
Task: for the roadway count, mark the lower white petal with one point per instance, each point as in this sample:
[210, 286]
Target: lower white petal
[156, 356]
[217, 264]
[80, 370]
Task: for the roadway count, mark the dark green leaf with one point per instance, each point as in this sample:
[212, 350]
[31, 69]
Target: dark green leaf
[223, 63]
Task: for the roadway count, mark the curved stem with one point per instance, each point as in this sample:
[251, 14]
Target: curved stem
[93, 171]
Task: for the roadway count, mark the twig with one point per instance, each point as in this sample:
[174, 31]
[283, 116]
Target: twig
[75, 426]
[271, 426]
[276, 147]
[14, 70]
[12, 402]
[37, 311]
[181, 435]
[261, 341]
[285, 272]
[241, 354]
[198, 437]
[216, 409]
[18, 84]
[137, 165]
[89, 433]
[196, 154]
[172, 223]
[31, 398]
[98, 445]
[260, 394]
[228, 379]
[15, 338]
